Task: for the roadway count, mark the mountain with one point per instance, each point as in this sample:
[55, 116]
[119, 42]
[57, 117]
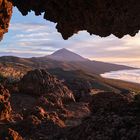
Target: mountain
[69, 60]
[64, 59]
[66, 55]
[59, 104]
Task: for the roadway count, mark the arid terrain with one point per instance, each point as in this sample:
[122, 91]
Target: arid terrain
[62, 96]
[64, 104]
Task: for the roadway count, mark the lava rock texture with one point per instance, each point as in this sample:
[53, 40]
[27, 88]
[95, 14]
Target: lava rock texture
[10, 134]
[40, 82]
[114, 117]
[5, 16]
[99, 17]
[5, 107]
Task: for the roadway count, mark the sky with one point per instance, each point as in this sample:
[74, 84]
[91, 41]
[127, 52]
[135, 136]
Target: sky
[34, 36]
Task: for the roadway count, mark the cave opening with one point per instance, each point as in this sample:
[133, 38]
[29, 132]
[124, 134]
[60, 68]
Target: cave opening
[69, 69]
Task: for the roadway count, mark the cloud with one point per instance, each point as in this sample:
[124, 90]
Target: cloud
[126, 75]
[31, 27]
[119, 48]
[32, 36]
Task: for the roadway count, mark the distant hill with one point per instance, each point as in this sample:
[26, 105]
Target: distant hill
[66, 60]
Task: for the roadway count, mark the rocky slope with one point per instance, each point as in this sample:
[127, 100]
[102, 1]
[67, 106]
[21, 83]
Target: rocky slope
[40, 82]
[65, 55]
[45, 109]
[40, 109]
[114, 117]
[64, 59]
[81, 83]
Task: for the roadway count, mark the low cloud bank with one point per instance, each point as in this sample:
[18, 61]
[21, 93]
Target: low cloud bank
[125, 75]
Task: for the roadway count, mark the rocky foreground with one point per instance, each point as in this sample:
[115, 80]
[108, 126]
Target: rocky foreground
[43, 108]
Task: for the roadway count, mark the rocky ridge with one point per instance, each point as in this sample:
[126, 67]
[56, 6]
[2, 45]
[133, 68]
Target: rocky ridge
[114, 117]
[53, 114]
[40, 82]
[40, 114]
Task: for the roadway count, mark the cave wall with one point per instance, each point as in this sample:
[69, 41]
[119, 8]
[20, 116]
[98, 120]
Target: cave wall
[99, 17]
[5, 16]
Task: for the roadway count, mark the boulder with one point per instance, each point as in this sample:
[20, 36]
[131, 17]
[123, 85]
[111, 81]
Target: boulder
[10, 134]
[5, 107]
[108, 102]
[40, 82]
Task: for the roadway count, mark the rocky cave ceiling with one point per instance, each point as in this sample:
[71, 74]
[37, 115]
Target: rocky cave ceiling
[99, 17]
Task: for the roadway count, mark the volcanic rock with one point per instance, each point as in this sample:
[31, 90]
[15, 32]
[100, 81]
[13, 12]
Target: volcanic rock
[108, 102]
[114, 117]
[38, 123]
[52, 102]
[81, 88]
[5, 107]
[107, 126]
[40, 82]
[10, 135]
[99, 17]
[5, 16]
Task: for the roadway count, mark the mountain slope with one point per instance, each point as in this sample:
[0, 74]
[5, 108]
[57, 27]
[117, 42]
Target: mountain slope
[69, 60]
[66, 55]
[64, 59]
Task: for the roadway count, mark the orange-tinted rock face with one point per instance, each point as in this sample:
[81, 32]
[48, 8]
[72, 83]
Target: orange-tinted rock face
[5, 16]
[11, 135]
[5, 107]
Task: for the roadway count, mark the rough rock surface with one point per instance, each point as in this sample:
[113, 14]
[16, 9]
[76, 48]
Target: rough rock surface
[99, 17]
[81, 88]
[5, 16]
[45, 116]
[10, 135]
[39, 123]
[114, 117]
[40, 82]
[108, 102]
[5, 107]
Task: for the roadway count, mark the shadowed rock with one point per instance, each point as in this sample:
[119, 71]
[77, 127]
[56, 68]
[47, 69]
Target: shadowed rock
[99, 17]
[114, 117]
[5, 107]
[10, 135]
[5, 16]
[40, 82]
